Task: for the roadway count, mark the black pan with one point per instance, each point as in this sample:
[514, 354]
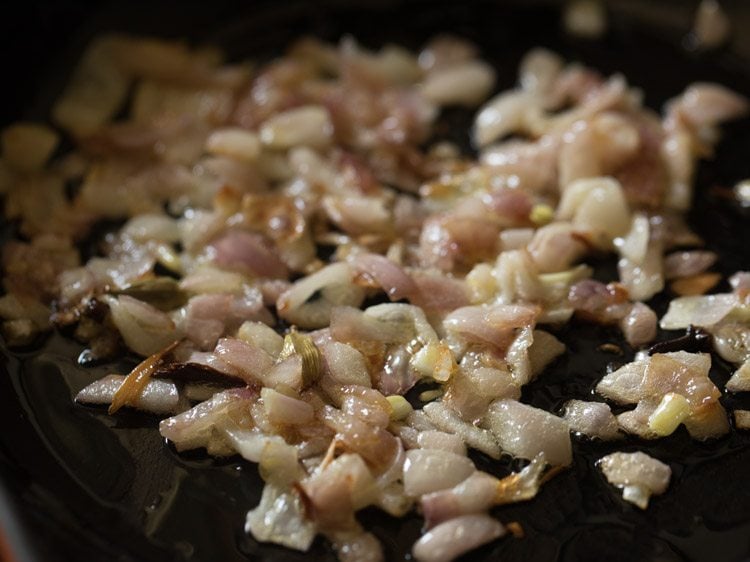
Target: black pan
[85, 486]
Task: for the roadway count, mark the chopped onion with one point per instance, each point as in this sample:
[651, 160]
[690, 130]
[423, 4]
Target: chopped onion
[445, 419]
[639, 475]
[701, 311]
[280, 518]
[504, 114]
[307, 125]
[95, 92]
[133, 386]
[525, 431]
[593, 419]
[234, 143]
[156, 396]
[432, 439]
[285, 409]
[429, 470]
[197, 427]
[742, 419]
[466, 84]
[585, 18]
[145, 329]
[301, 306]
[449, 540]
[250, 361]
[740, 379]
[26, 147]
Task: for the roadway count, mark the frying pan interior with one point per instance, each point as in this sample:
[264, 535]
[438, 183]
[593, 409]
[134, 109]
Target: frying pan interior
[90, 487]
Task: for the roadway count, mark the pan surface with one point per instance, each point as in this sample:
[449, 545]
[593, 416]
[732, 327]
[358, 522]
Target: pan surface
[87, 486]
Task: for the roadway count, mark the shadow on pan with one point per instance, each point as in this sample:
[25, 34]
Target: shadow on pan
[84, 486]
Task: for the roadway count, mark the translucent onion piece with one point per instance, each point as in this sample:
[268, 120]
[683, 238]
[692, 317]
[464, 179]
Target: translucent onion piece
[702, 311]
[144, 328]
[26, 147]
[301, 305]
[95, 92]
[466, 84]
[593, 419]
[449, 540]
[132, 387]
[525, 431]
[638, 474]
[307, 125]
[280, 518]
[198, 426]
[504, 114]
[156, 397]
[445, 419]
[429, 470]
[740, 379]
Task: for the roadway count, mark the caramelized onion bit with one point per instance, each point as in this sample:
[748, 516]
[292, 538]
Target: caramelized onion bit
[131, 388]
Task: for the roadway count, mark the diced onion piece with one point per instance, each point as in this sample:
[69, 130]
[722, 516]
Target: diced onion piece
[687, 264]
[308, 125]
[280, 518]
[132, 387]
[250, 443]
[261, 335]
[429, 470]
[144, 328]
[207, 279]
[433, 439]
[249, 360]
[525, 431]
[639, 325]
[516, 238]
[345, 365]
[701, 311]
[198, 426]
[642, 280]
[742, 192]
[638, 495]
[708, 422]
[585, 18]
[742, 419]
[279, 463]
[302, 306]
[355, 545]
[152, 227]
[26, 147]
[449, 540]
[236, 143]
[597, 206]
[634, 245]
[464, 84]
[740, 379]
[435, 360]
[445, 419]
[504, 114]
[157, 396]
[95, 92]
[400, 407]
[638, 474]
[543, 351]
[538, 70]
[285, 409]
[711, 27]
[481, 282]
[593, 419]
[669, 414]
[695, 285]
